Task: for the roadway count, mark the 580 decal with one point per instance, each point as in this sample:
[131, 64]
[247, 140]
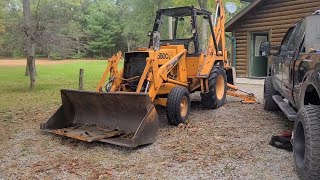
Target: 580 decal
[163, 56]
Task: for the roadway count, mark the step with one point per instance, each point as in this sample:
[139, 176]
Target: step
[287, 110]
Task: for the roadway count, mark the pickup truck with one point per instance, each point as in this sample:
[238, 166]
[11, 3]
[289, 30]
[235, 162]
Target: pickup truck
[293, 86]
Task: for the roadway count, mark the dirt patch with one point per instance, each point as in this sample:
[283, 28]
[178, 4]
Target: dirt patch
[228, 143]
[23, 62]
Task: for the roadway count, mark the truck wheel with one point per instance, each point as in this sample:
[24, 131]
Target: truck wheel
[268, 92]
[217, 89]
[178, 105]
[306, 142]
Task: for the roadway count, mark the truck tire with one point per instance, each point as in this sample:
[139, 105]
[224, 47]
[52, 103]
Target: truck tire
[268, 92]
[178, 105]
[306, 142]
[217, 89]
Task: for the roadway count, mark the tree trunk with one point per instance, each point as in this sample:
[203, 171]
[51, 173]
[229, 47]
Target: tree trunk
[30, 44]
[31, 63]
[129, 44]
[205, 35]
[159, 3]
[27, 73]
[204, 5]
[78, 48]
[27, 70]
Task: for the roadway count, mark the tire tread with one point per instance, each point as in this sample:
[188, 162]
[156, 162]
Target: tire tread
[173, 104]
[269, 91]
[310, 116]
[209, 100]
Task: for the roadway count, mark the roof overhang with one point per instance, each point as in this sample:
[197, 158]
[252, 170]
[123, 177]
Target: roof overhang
[230, 24]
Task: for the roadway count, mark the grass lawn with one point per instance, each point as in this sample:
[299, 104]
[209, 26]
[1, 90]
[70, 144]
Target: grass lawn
[14, 86]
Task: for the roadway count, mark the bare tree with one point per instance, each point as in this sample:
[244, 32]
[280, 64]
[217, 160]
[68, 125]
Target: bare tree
[204, 5]
[47, 29]
[30, 43]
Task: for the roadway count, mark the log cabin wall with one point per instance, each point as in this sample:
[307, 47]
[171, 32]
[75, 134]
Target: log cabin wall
[271, 16]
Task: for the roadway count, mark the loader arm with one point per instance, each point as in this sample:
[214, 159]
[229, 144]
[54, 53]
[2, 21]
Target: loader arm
[155, 75]
[115, 73]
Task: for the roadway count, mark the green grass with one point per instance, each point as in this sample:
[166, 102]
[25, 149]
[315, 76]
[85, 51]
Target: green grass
[14, 86]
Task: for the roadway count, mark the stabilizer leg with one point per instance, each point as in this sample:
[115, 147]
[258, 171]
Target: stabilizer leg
[247, 97]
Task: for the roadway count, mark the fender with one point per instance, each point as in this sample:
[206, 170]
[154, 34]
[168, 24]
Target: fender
[312, 77]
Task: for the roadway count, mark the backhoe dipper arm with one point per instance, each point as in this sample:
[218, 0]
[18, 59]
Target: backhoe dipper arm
[216, 51]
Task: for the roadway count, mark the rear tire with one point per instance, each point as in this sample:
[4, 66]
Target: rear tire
[217, 89]
[268, 92]
[178, 105]
[306, 142]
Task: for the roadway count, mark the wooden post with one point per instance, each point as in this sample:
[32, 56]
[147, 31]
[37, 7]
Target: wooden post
[81, 76]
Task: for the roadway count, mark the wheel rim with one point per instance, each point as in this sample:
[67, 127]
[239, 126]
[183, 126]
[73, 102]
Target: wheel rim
[299, 144]
[184, 106]
[220, 87]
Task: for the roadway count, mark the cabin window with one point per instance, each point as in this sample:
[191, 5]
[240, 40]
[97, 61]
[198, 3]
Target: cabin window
[181, 27]
[259, 40]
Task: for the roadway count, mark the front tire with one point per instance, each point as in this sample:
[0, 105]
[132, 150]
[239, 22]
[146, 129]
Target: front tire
[178, 105]
[217, 89]
[306, 142]
[268, 92]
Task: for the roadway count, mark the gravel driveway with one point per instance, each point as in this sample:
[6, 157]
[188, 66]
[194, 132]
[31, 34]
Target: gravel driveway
[227, 143]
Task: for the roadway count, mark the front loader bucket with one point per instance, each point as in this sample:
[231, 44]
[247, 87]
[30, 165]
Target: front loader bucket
[124, 119]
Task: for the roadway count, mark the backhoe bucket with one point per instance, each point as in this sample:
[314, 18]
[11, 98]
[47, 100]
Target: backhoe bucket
[124, 119]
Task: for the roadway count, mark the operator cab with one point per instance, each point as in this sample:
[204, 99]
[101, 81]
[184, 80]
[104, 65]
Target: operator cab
[185, 29]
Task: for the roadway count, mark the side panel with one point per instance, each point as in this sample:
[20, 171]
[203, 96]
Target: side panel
[277, 72]
[291, 56]
[193, 65]
[274, 68]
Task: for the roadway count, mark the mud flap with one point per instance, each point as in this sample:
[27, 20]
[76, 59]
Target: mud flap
[124, 119]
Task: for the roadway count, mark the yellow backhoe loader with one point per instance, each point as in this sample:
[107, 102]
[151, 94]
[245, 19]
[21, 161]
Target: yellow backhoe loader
[186, 60]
